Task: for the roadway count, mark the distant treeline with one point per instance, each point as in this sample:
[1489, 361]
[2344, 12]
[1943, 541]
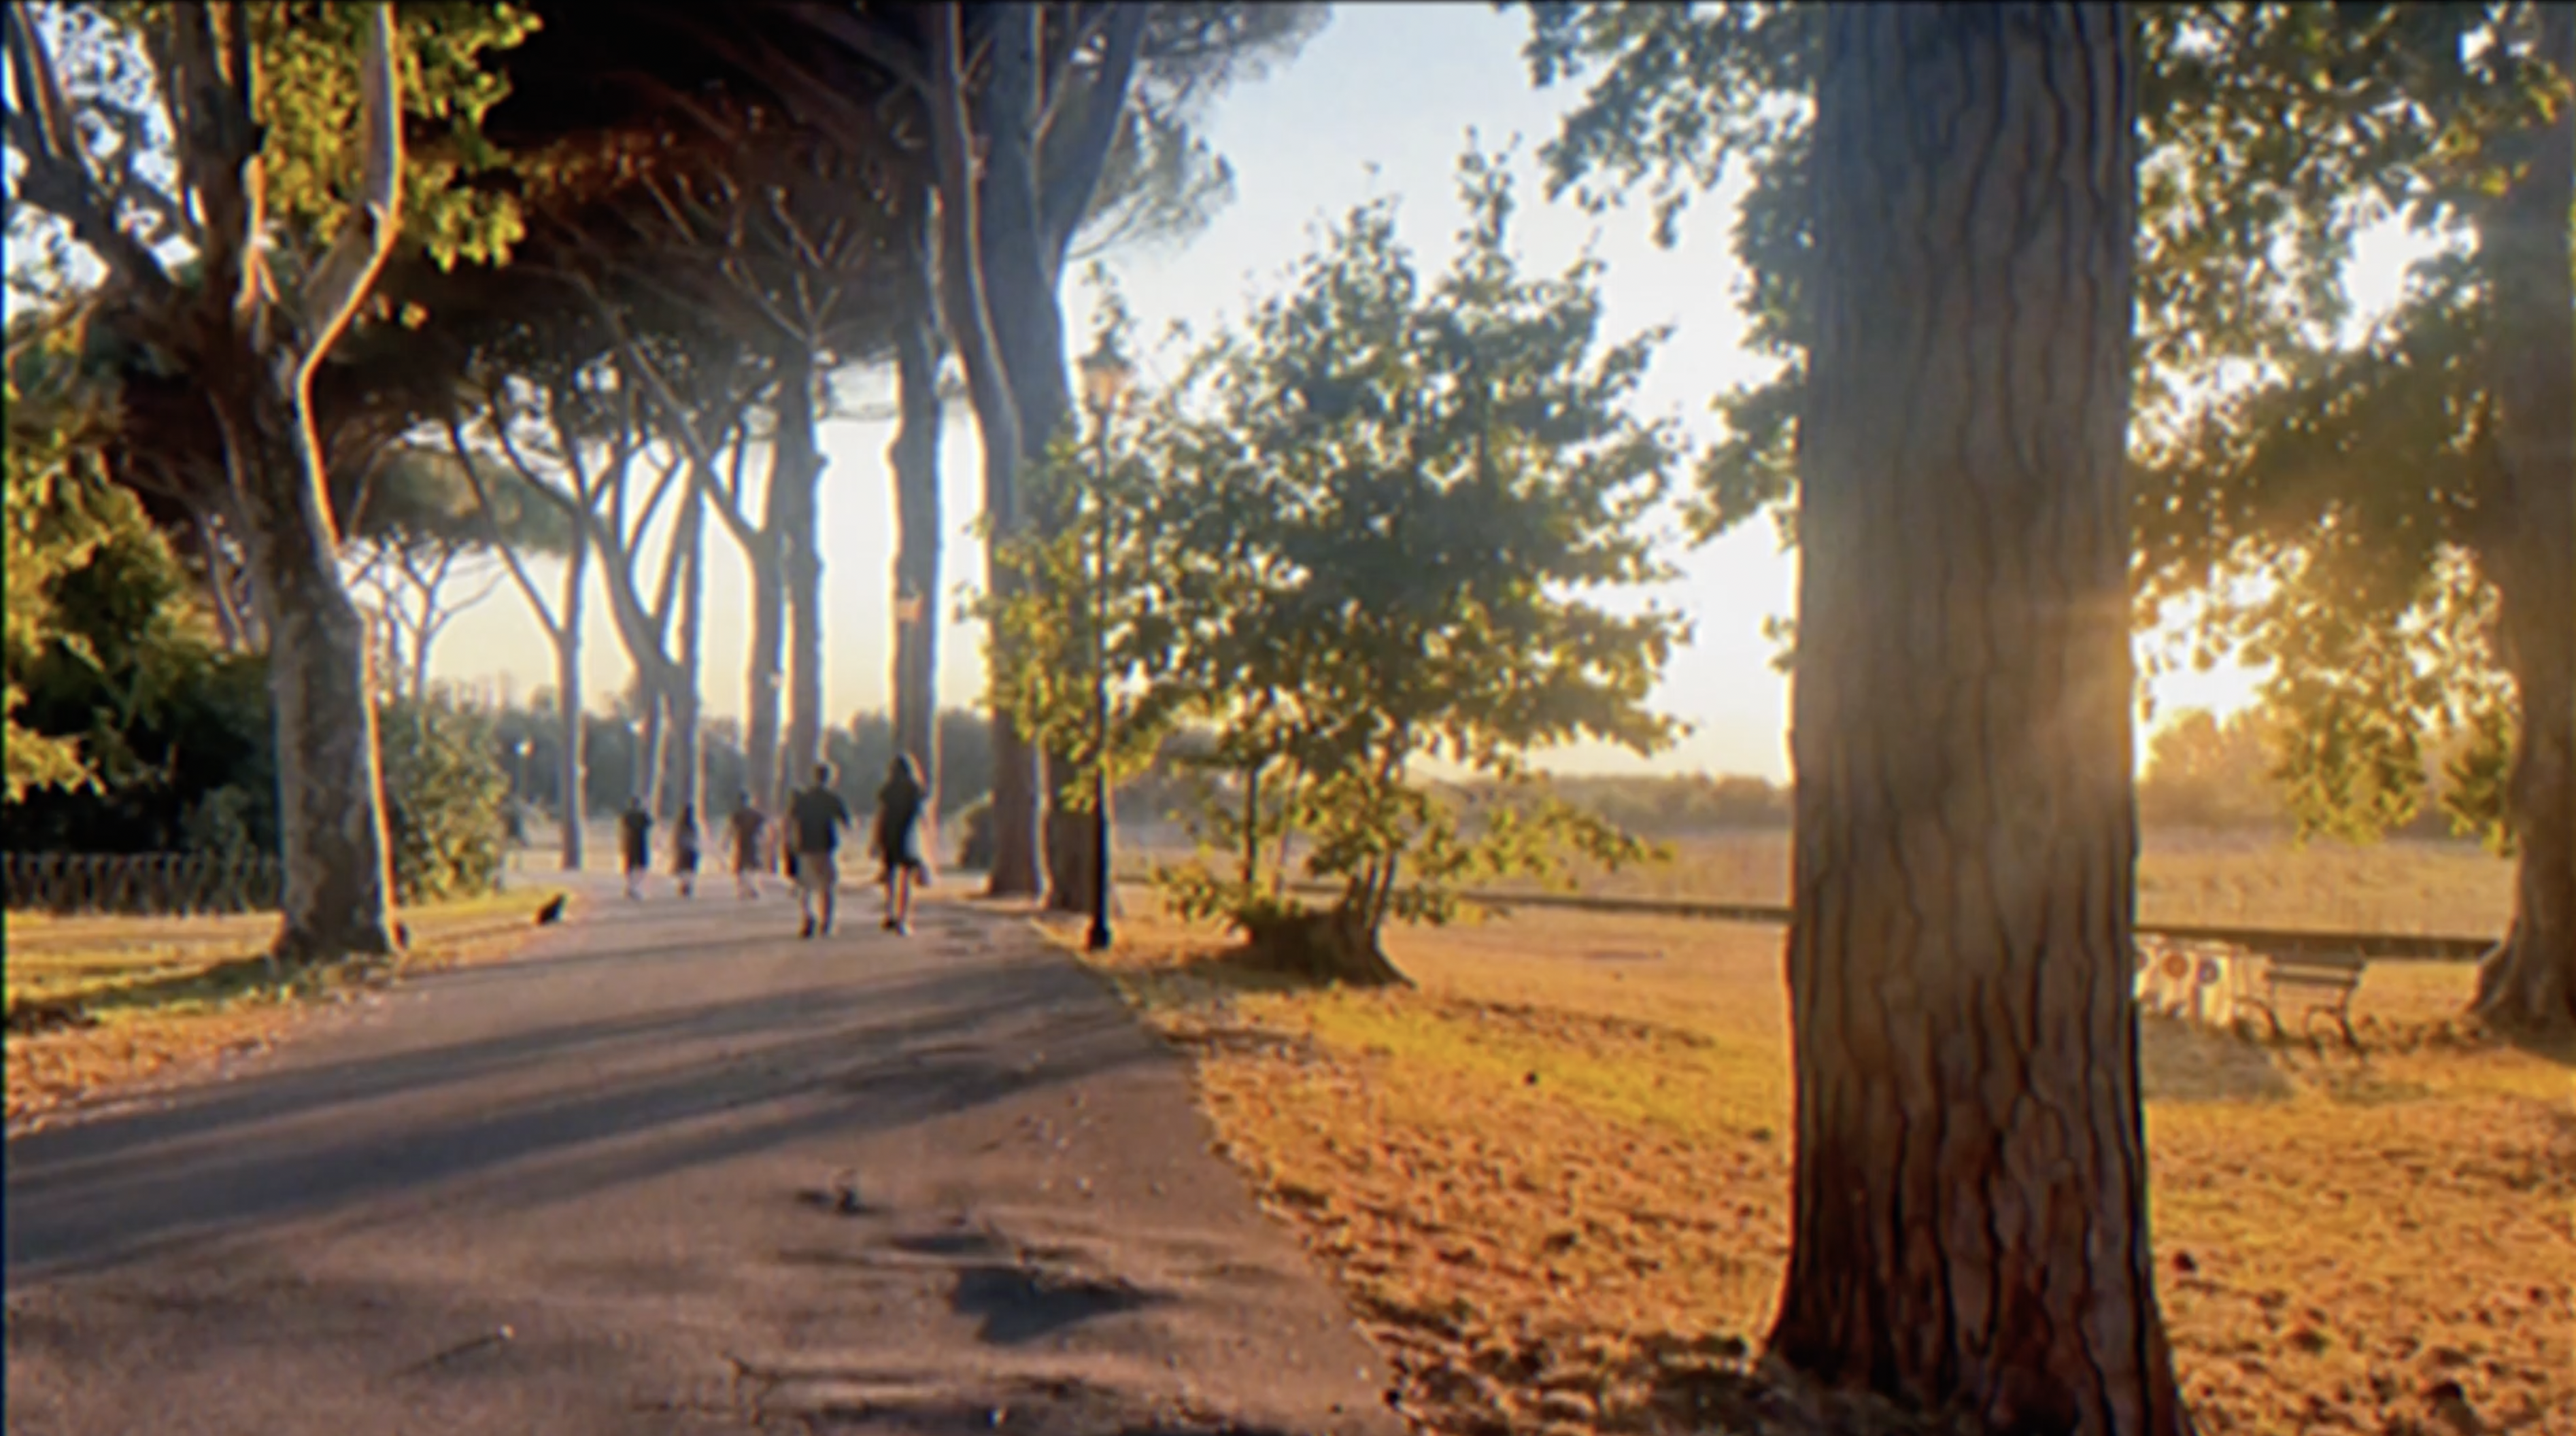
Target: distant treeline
[1664, 806]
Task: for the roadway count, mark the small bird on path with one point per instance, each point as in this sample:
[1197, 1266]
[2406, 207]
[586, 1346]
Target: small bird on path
[553, 911]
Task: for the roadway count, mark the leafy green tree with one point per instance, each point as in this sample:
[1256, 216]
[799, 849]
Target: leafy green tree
[1376, 528]
[125, 717]
[445, 791]
[239, 173]
[51, 531]
[2341, 517]
[2390, 524]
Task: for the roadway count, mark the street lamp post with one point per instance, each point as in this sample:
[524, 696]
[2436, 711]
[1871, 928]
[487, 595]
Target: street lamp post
[1104, 379]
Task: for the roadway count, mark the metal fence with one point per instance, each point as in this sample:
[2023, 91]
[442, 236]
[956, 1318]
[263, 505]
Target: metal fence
[140, 884]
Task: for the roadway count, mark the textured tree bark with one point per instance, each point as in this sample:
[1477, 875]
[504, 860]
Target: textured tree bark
[1005, 142]
[1030, 326]
[652, 751]
[338, 889]
[802, 463]
[1969, 1225]
[2527, 985]
[763, 775]
[568, 701]
[688, 748]
[1021, 278]
[914, 458]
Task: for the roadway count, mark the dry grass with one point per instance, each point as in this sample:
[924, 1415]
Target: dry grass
[2190, 878]
[2216, 879]
[98, 1005]
[1553, 1179]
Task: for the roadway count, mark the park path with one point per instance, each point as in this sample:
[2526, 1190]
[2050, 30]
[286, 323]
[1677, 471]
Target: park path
[673, 1170]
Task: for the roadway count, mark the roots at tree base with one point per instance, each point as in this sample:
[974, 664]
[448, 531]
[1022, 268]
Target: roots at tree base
[1322, 945]
[2526, 991]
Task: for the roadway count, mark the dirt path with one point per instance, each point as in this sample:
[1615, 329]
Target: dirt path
[675, 1170]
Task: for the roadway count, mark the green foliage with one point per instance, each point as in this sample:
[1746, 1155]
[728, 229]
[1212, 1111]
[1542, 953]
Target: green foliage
[2306, 496]
[113, 63]
[307, 58]
[1369, 531]
[1161, 181]
[445, 789]
[108, 656]
[125, 716]
[51, 532]
[423, 495]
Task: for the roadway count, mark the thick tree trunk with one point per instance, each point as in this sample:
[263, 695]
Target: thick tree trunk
[574, 809]
[802, 464]
[1013, 870]
[914, 458]
[652, 754]
[688, 748]
[1020, 283]
[338, 889]
[2527, 986]
[1969, 1209]
[768, 782]
[1003, 134]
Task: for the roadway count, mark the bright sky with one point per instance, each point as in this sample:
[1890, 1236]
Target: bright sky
[1380, 103]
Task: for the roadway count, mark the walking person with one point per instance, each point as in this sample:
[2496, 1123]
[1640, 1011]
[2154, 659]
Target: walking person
[635, 839]
[684, 851]
[817, 816]
[898, 839]
[748, 824]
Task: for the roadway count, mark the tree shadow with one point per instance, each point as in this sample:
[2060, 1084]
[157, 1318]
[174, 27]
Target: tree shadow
[699, 1085]
[1015, 1304]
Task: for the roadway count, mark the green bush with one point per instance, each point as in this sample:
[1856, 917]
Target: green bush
[445, 789]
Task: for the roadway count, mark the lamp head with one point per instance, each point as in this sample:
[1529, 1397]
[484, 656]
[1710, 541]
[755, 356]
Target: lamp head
[1105, 375]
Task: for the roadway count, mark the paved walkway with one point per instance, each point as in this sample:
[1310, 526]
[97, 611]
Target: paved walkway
[673, 1170]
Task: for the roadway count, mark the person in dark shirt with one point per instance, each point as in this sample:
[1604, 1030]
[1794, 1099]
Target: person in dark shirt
[748, 824]
[817, 817]
[898, 839]
[635, 838]
[684, 851]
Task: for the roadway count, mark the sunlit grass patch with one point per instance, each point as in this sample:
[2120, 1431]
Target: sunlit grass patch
[2222, 880]
[2337, 1236]
[98, 1002]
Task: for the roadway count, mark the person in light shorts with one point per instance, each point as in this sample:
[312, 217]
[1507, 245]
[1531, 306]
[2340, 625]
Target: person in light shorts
[815, 820]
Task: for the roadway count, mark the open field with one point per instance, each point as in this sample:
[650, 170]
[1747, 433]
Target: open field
[98, 1003]
[1554, 1178]
[2184, 878]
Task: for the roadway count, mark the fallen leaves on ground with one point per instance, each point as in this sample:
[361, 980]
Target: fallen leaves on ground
[101, 1006]
[1553, 1182]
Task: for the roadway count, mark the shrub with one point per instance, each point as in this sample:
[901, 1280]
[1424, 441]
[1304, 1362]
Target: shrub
[444, 793]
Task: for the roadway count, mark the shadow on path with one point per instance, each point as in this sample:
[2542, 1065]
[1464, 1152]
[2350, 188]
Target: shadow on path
[592, 1103]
